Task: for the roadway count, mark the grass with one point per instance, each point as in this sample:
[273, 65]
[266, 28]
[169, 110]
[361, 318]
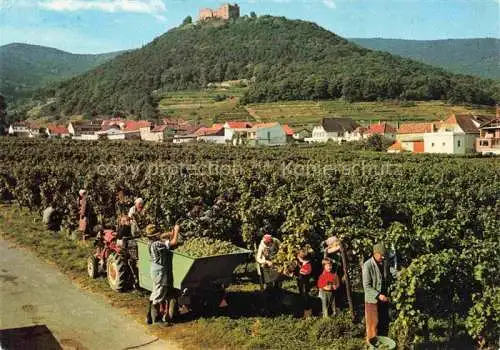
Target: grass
[240, 326]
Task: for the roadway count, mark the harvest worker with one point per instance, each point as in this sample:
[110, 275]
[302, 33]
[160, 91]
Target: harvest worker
[49, 217]
[268, 248]
[83, 211]
[375, 288]
[135, 213]
[159, 246]
[332, 252]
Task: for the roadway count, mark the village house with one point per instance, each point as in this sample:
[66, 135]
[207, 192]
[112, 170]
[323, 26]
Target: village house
[225, 12]
[58, 131]
[455, 135]
[383, 129]
[158, 133]
[19, 129]
[231, 126]
[260, 134]
[25, 129]
[84, 130]
[131, 130]
[489, 137]
[410, 136]
[336, 129]
[213, 134]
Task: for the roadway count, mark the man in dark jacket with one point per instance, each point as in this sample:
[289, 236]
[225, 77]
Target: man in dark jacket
[375, 288]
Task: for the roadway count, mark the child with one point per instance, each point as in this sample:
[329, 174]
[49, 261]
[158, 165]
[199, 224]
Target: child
[328, 283]
[303, 278]
[305, 269]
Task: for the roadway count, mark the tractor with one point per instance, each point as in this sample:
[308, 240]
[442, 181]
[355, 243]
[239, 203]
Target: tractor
[116, 258]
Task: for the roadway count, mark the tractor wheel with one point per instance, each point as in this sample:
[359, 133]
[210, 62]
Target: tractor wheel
[173, 309]
[117, 273]
[92, 267]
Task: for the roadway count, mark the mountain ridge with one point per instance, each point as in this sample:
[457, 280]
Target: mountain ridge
[286, 59]
[474, 56]
[26, 67]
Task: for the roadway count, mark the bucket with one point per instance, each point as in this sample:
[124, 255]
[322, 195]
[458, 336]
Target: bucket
[382, 343]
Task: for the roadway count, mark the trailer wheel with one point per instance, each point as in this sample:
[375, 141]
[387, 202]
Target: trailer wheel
[92, 267]
[173, 308]
[116, 270]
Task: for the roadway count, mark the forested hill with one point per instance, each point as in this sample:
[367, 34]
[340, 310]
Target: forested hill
[25, 67]
[288, 59]
[479, 57]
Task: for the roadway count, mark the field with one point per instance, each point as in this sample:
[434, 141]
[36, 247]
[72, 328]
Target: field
[440, 213]
[216, 105]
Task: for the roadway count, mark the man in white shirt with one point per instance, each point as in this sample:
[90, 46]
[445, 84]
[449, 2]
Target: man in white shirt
[134, 214]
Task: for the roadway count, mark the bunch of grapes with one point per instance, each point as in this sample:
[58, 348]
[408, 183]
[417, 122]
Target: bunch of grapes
[202, 246]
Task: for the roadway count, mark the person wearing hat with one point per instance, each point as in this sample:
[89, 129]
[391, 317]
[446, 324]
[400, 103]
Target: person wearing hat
[159, 246]
[375, 289]
[135, 214]
[267, 251]
[331, 251]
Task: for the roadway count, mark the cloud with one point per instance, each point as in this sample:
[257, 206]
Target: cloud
[330, 4]
[152, 7]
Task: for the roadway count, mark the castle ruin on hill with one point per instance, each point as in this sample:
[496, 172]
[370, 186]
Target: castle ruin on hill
[226, 11]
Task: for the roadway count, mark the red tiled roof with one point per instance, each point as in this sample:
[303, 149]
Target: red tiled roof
[106, 123]
[239, 125]
[214, 130]
[396, 146]
[416, 128]
[382, 128]
[132, 125]
[58, 129]
[288, 130]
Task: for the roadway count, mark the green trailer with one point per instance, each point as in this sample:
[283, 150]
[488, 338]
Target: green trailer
[197, 282]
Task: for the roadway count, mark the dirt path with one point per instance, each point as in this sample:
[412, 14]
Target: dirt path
[34, 293]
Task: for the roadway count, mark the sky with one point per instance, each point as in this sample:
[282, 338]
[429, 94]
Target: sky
[98, 26]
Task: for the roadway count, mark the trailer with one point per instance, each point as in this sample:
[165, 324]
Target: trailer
[196, 283]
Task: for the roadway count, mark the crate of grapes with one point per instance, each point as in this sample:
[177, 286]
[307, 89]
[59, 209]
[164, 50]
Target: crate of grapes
[201, 269]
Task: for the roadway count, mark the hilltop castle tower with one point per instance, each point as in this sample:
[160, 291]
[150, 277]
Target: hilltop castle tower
[226, 11]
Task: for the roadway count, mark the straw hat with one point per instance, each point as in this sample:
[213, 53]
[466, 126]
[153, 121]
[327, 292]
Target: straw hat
[151, 231]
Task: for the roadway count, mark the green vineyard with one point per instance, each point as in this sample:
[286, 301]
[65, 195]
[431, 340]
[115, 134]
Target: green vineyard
[441, 213]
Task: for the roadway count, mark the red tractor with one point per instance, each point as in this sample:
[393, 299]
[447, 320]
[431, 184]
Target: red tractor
[117, 258]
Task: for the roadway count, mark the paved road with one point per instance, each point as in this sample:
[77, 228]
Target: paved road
[34, 293]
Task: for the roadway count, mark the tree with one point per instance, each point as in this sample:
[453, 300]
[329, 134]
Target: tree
[253, 14]
[3, 115]
[187, 20]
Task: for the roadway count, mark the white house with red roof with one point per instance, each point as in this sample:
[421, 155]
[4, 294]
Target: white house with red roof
[411, 135]
[231, 126]
[131, 130]
[57, 131]
[213, 134]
